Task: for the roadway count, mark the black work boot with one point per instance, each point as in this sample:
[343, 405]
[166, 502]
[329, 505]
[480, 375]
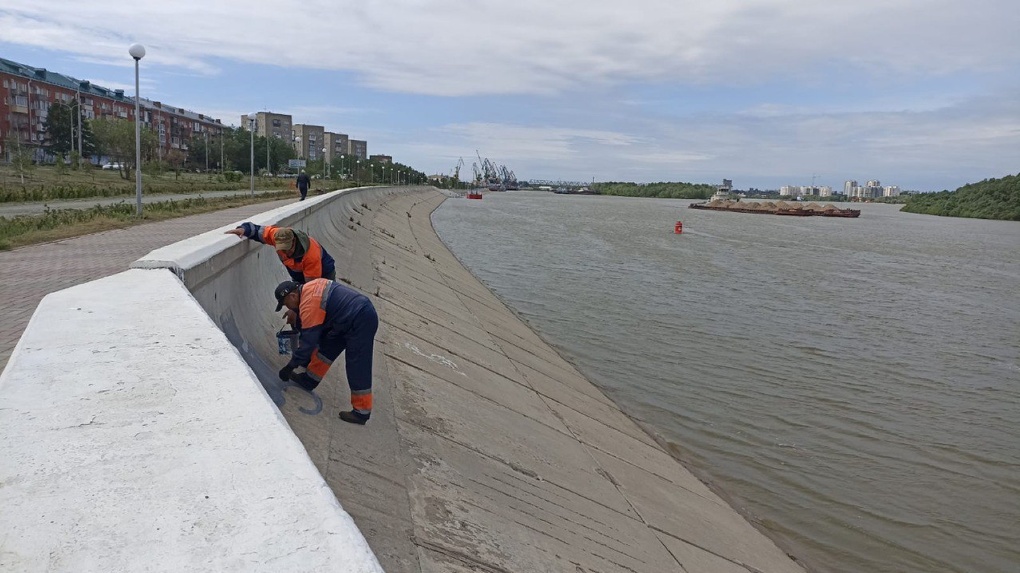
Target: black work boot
[304, 380]
[354, 417]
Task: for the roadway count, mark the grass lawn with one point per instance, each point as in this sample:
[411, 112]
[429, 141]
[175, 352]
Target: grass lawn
[50, 183]
[57, 224]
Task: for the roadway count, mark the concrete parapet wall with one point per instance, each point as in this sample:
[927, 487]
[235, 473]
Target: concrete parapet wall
[136, 437]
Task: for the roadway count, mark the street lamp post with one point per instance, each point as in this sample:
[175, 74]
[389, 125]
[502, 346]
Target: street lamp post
[357, 174]
[77, 107]
[251, 128]
[325, 166]
[137, 52]
[342, 166]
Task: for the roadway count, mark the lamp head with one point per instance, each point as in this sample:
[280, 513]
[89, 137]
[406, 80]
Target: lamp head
[137, 51]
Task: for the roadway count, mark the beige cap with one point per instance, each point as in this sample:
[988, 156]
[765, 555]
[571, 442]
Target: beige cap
[284, 239]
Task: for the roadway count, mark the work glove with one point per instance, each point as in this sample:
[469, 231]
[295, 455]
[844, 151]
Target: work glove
[285, 372]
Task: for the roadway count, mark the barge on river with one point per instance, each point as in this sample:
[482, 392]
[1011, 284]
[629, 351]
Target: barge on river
[777, 208]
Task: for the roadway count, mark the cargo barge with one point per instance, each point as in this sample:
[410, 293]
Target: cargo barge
[777, 208]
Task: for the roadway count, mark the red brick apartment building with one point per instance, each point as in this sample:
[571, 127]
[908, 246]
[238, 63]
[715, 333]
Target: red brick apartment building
[26, 94]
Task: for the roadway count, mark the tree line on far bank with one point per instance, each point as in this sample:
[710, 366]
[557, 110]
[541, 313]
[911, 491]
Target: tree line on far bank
[988, 199]
[661, 190]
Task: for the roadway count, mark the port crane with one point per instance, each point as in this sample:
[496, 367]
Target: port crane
[456, 172]
[509, 179]
[477, 181]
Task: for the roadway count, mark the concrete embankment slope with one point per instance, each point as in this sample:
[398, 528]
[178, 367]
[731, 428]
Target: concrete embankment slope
[486, 451]
[138, 434]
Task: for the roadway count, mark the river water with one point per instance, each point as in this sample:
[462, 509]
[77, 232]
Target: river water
[852, 385]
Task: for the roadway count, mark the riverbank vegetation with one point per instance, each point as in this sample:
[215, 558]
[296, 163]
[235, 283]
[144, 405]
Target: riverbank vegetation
[988, 199]
[54, 183]
[56, 224]
[661, 190]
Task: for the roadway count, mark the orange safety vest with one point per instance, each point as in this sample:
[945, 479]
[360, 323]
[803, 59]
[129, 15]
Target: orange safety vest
[312, 307]
[310, 264]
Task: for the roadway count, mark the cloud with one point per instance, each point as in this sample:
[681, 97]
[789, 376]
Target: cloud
[764, 91]
[447, 48]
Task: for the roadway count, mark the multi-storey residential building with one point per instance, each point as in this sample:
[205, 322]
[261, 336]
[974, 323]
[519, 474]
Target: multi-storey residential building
[29, 92]
[848, 188]
[335, 144]
[267, 124]
[308, 141]
[873, 189]
[176, 127]
[358, 148]
[890, 191]
[824, 191]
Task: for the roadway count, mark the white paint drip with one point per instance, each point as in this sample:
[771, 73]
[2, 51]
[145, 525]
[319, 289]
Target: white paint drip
[434, 358]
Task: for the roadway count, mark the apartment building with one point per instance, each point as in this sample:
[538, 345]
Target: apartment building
[269, 124]
[309, 141]
[336, 145]
[28, 92]
[358, 148]
[176, 127]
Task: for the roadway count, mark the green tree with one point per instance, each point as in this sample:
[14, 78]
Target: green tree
[176, 158]
[58, 128]
[19, 155]
[662, 190]
[61, 129]
[988, 199]
[115, 138]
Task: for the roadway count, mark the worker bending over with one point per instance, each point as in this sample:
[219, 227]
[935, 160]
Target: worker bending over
[303, 256]
[331, 318]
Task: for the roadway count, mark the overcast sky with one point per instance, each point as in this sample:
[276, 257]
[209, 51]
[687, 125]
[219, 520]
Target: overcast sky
[924, 94]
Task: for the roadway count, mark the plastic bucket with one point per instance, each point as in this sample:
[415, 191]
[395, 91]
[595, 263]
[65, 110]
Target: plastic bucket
[287, 341]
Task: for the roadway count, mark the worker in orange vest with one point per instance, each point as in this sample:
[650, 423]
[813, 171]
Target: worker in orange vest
[303, 256]
[331, 318]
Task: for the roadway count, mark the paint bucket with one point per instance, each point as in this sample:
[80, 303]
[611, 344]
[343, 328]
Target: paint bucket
[287, 341]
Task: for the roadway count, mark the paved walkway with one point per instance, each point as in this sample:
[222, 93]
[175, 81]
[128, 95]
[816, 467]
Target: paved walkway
[35, 208]
[30, 273]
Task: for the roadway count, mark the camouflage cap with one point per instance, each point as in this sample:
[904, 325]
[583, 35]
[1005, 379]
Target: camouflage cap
[284, 239]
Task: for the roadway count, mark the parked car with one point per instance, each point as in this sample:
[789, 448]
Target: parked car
[116, 166]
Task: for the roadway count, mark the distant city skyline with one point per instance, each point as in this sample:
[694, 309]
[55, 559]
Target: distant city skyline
[778, 92]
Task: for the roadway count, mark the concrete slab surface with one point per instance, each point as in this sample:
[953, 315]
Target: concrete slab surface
[486, 450]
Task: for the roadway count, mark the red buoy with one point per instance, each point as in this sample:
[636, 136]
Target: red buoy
[678, 228]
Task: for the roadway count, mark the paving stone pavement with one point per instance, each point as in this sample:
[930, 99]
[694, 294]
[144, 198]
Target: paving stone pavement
[29, 273]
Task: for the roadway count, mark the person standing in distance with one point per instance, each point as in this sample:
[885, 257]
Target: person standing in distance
[302, 184]
[332, 318]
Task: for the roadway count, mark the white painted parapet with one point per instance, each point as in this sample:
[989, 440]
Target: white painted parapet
[133, 436]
